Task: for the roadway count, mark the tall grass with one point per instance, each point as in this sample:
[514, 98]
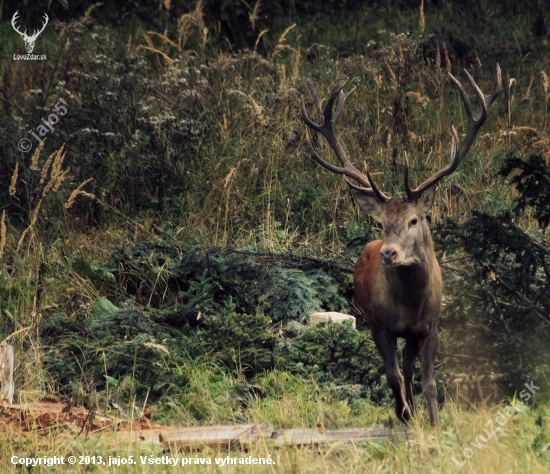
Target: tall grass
[232, 168]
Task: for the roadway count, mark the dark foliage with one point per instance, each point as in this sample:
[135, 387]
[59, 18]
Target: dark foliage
[499, 303]
[114, 344]
[338, 354]
[235, 25]
[201, 279]
[139, 138]
[533, 185]
[236, 309]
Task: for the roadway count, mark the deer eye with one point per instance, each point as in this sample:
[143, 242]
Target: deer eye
[413, 222]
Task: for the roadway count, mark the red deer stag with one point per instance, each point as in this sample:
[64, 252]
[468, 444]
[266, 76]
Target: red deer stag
[397, 280]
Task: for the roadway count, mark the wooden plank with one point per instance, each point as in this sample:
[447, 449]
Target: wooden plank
[7, 386]
[245, 435]
[371, 434]
[300, 436]
[208, 436]
[313, 436]
[260, 431]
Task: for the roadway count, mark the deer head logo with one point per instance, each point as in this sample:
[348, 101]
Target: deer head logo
[29, 40]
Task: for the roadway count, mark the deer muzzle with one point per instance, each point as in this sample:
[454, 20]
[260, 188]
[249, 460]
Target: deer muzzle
[388, 255]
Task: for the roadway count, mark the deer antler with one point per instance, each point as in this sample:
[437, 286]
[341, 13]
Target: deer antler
[475, 121]
[14, 26]
[327, 130]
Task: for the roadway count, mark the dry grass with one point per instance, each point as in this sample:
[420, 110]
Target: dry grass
[430, 451]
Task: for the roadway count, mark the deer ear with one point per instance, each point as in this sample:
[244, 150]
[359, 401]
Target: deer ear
[367, 203]
[426, 201]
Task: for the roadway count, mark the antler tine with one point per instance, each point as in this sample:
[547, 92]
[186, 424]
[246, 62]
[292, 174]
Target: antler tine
[372, 190]
[475, 121]
[348, 169]
[341, 102]
[498, 86]
[327, 130]
[318, 159]
[408, 190]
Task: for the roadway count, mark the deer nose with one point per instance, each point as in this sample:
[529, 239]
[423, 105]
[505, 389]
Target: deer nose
[388, 256]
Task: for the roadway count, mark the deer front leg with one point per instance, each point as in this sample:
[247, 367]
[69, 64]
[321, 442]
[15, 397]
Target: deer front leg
[427, 360]
[410, 351]
[387, 346]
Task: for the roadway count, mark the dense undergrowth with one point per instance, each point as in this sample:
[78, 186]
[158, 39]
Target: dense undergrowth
[168, 241]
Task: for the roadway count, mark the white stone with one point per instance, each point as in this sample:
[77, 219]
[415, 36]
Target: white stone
[317, 318]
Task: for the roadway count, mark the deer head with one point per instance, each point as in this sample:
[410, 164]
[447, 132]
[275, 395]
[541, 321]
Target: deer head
[403, 219]
[29, 40]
